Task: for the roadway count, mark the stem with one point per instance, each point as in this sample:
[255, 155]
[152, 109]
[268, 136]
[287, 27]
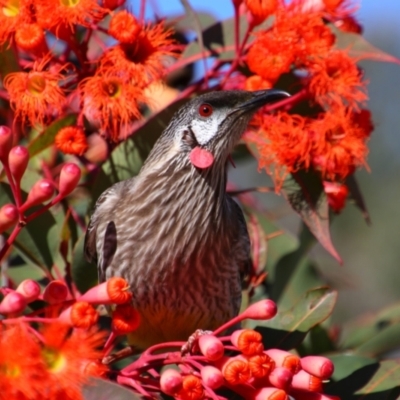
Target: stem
[142, 11]
[289, 102]
[237, 28]
[34, 215]
[16, 191]
[17, 229]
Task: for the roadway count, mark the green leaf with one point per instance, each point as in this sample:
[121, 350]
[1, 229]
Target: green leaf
[359, 47]
[46, 138]
[289, 327]
[357, 197]
[38, 241]
[99, 389]
[293, 273]
[385, 382]
[192, 15]
[84, 274]
[305, 194]
[319, 341]
[357, 378]
[375, 333]
[351, 373]
[278, 246]
[8, 60]
[184, 22]
[219, 40]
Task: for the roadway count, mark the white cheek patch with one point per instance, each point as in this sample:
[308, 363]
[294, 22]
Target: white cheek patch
[205, 129]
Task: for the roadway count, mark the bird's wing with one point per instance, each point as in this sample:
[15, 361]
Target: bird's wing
[241, 246]
[103, 209]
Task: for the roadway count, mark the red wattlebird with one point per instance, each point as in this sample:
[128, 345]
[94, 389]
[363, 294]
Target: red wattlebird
[172, 231]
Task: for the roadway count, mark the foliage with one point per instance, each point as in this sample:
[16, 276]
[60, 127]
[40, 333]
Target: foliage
[86, 90]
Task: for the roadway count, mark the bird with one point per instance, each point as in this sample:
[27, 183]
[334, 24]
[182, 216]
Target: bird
[172, 232]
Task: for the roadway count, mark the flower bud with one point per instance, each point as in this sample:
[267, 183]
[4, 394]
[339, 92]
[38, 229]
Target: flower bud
[264, 309]
[269, 393]
[236, 371]
[337, 194]
[80, 315]
[6, 139]
[125, 319]
[30, 289]
[8, 216]
[96, 368]
[261, 365]
[319, 366]
[285, 359]
[211, 347]
[303, 380]
[12, 303]
[69, 178]
[31, 38]
[212, 377]
[114, 291]
[248, 341]
[40, 192]
[55, 292]
[171, 381]
[124, 27]
[112, 4]
[192, 388]
[18, 161]
[280, 377]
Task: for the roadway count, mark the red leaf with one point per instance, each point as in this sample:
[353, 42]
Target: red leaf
[306, 196]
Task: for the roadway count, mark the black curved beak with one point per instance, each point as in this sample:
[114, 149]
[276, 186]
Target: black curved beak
[261, 98]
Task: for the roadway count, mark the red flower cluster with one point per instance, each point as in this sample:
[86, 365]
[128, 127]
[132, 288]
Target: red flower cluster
[254, 373]
[110, 87]
[333, 141]
[55, 360]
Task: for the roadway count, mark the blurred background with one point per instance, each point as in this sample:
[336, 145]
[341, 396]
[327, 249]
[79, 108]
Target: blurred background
[370, 276]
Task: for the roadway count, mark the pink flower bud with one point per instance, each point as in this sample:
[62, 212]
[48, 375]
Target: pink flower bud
[319, 366]
[235, 370]
[55, 292]
[6, 138]
[171, 381]
[18, 160]
[12, 303]
[69, 178]
[41, 191]
[269, 393]
[8, 216]
[248, 341]
[285, 359]
[280, 377]
[264, 309]
[80, 315]
[211, 347]
[303, 380]
[30, 289]
[114, 291]
[212, 377]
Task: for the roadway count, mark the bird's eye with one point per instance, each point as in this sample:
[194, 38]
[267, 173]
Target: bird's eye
[205, 110]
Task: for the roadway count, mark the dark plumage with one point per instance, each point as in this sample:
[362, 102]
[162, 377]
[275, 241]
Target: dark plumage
[172, 232]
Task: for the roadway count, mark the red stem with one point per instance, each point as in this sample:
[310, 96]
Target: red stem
[142, 11]
[10, 240]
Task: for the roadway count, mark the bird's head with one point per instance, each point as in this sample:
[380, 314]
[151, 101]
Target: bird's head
[205, 130]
